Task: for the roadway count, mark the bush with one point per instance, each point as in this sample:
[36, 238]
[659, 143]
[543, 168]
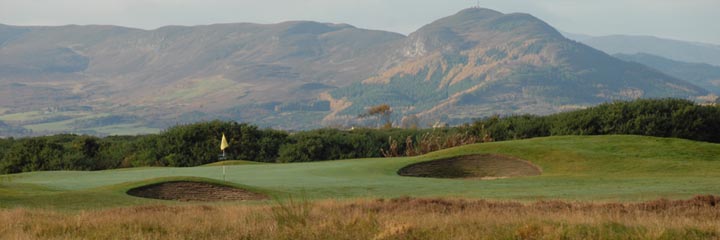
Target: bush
[197, 144]
[650, 117]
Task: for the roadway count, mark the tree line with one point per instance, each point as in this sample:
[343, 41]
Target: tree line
[649, 117]
[198, 144]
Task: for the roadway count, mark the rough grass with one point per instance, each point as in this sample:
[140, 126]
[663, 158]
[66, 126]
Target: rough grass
[589, 168]
[399, 218]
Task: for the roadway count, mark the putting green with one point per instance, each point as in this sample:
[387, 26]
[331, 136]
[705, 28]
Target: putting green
[596, 168]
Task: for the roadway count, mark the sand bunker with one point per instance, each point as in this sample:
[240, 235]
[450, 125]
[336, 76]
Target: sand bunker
[194, 191]
[484, 166]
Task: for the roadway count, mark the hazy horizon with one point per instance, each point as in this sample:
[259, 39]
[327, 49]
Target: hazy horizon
[686, 20]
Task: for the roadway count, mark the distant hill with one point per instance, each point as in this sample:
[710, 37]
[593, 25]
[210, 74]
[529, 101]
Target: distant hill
[299, 75]
[671, 49]
[181, 74]
[7, 130]
[481, 62]
[704, 75]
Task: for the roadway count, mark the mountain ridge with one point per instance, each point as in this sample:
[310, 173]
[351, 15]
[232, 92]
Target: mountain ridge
[701, 74]
[479, 72]
[686, 51]
[305, 74]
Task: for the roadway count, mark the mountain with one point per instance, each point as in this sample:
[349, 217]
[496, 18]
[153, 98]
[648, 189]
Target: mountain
[481, 62]
[296, 75]
[704, 75]
[576, 36]
[670, 49]
[179, 74]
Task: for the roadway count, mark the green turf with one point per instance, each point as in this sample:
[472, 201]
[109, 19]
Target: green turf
[201, 88]
[23, 116]
[63, 125]
[43, 122]
[126, 129]
[596, 168]
[231, 162]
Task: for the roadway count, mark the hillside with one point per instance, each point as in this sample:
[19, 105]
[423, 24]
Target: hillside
[703, 75]
[299, 75]
[672, 49]
[177, 74]
[480, 62]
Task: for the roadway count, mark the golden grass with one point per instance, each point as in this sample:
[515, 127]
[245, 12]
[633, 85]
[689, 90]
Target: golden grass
[402, 218]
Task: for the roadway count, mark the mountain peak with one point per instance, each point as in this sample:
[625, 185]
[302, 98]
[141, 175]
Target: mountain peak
[478, 12]
[304, 74]
[473, 27]
[470, 15]
[488, 21]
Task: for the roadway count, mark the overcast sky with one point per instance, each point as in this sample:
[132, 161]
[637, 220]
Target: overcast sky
[694, 20]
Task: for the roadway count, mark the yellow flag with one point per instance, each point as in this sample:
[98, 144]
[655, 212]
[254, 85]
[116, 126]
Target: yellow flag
[223, 143]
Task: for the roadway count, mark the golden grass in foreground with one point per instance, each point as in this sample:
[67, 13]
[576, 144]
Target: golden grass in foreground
[402, 218]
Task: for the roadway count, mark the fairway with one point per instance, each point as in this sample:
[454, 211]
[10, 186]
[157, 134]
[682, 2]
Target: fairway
[587, 168]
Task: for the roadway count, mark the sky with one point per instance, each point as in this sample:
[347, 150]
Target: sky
[690, 20]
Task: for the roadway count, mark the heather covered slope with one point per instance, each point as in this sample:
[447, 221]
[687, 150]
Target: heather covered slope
[299, 75]
[179, 74]
[481, 62]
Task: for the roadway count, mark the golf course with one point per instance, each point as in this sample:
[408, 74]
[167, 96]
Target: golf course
[587, 168]
[563, 187]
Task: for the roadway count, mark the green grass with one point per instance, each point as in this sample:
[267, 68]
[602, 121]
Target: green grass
[200, 88]
[595, 168]
[128, 129]
[231, 163]
[64, 125]
[69, 124]
[67, 121]
[23, 116]
[40, 115]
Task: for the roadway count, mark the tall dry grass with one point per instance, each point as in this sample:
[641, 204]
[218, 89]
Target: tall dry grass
[402, 218]
[430, 142]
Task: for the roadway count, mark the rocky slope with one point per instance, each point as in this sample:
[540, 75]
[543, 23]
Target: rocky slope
[481, 62]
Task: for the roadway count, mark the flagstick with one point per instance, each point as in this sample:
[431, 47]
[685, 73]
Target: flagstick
[223, 146]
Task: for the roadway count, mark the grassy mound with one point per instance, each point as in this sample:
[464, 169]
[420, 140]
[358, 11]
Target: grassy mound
[194, 191]
[482, 166]
[231, 163]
